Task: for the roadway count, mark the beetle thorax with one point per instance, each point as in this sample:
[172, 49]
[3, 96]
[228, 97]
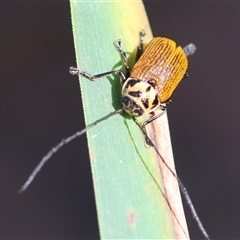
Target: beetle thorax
[139, 97]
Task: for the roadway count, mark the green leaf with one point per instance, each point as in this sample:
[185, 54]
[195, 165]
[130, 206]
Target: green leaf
[130, 181]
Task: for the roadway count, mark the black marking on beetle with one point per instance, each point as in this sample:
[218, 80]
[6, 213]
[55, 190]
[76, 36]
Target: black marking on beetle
[135, 93]
[145, 102]
[132, 82]
[155, 102]
[138, 111]
[152, 83]
[148, 89]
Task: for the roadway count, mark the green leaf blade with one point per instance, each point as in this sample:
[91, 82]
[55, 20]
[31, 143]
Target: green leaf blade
[127, 178]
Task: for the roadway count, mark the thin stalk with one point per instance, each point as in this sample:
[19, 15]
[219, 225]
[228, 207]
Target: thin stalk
[130, 182]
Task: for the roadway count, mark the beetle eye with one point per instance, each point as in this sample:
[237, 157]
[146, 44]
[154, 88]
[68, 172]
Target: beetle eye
[131, 107]
[126, 101]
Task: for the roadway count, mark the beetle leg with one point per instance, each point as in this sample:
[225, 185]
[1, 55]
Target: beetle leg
[163, 107]
[143, 129]
[140, 47]
[75, 71]
[151, 119]
[124, 57]
[185, 76]
[143, 125]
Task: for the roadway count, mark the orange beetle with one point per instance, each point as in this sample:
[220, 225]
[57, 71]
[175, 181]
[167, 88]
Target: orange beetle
[150, 83]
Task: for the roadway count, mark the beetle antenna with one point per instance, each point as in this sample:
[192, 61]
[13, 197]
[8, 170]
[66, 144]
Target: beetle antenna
[181, 186]
[190, 49]
[60, 145]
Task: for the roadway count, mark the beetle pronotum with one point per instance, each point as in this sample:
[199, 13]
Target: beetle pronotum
[145, 88]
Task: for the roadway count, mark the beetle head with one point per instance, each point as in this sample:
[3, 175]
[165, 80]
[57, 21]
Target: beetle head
[139, 97]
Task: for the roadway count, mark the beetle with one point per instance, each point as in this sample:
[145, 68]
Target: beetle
[145, 90]
[150, 83]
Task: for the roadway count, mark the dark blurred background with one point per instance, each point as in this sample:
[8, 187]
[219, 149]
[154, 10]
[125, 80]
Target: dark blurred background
[40, 104]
